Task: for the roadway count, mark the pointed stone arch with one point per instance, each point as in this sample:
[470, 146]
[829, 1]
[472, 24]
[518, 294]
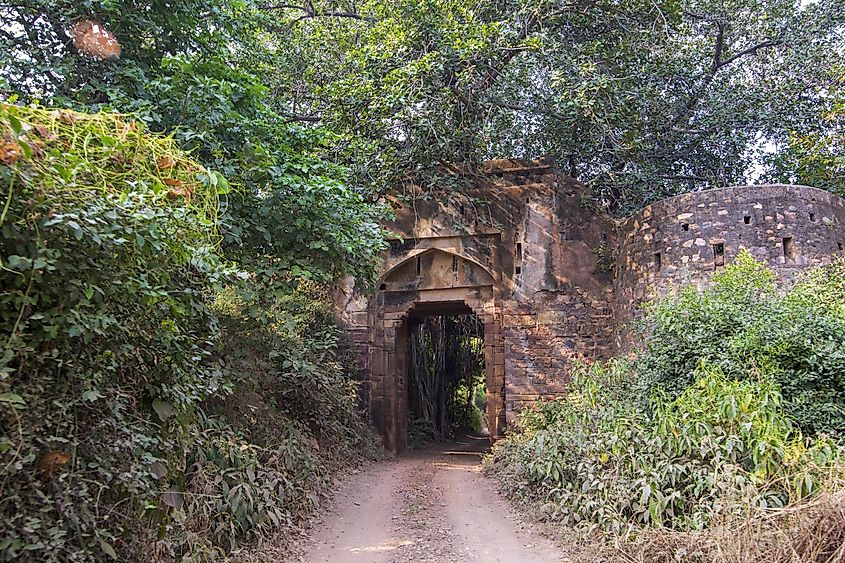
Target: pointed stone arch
[429, 281]
[435, 268]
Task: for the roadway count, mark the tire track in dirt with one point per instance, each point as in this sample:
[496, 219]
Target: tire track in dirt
[428, 506]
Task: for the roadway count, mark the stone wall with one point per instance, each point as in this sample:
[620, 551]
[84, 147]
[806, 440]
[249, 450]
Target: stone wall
[519, 249]
[685, 239]
[560, 307]
[553, 279]
[543, 338]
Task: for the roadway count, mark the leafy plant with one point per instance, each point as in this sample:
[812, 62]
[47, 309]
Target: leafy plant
[597, 462]
[742, 323]
[723, 413]
[128, 378]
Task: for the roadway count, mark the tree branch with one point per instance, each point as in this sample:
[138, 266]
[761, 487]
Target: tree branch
[286, 7]
[303, 118]
[718, 64]
[750, 50]
[720, 45]
[687, 177]
[522, 109]
[309, 12]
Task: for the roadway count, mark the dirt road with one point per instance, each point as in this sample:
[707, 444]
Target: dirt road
[428, 506]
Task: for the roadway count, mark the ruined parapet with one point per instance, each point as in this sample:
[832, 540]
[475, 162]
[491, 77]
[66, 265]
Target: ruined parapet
[683, 240]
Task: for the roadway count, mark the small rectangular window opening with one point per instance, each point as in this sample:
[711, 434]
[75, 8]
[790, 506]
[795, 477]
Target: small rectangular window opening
[462, 210]
[658, 263]
[518, 270]
[518, 259]
[719, 254]
[383, 286]
[789, 248]
[747, 219]
[454, 263]
[419, 266]
[813, 217]
[685, 226]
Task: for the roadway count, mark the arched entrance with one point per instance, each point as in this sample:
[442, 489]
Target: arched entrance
[429, 282]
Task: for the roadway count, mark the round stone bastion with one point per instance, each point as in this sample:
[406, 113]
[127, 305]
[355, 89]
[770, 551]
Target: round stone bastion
[684, 239]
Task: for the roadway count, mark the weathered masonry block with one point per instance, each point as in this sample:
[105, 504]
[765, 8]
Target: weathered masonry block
[553, 279]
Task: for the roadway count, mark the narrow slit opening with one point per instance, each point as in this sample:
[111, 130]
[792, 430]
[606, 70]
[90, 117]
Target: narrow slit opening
[419, 266]
[454, 263]
[719, 254]
[789, 248]
[658, 262]
[813, 217]
[841, 248]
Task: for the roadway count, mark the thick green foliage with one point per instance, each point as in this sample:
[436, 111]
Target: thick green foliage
[639, 98]
[742, 325]
[293, 213]
[816, 157]
[203, 71]
[707, 423]
[597, 461]
[128, 389]
[107, 334]
[266, 452]
[39, 60]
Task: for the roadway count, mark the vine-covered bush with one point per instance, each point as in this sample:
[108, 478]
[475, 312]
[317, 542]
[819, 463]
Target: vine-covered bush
[107, 242]
[267, 451]
[742, 323]
[130, 386]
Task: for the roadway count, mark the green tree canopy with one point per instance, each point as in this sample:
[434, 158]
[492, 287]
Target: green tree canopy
[640, 98]
[204, 71]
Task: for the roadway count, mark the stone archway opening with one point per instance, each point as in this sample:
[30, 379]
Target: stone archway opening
[395, 389]
[436, 282]
[446, 373]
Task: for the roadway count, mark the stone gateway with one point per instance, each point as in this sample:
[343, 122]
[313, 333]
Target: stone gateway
[553, 279]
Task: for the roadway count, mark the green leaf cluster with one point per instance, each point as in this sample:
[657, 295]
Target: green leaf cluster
[743, 325]
[734, 402]
[640, 99]
[131, 383]
[598, 462]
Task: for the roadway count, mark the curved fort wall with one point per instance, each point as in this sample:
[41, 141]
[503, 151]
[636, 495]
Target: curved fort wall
[684, 239]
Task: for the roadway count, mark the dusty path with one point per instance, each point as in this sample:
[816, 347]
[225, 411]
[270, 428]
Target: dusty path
[429, 506]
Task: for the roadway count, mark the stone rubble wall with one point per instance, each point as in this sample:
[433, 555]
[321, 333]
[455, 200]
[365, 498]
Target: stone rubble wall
[685, 239]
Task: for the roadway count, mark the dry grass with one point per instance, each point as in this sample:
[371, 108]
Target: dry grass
[811, 531]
